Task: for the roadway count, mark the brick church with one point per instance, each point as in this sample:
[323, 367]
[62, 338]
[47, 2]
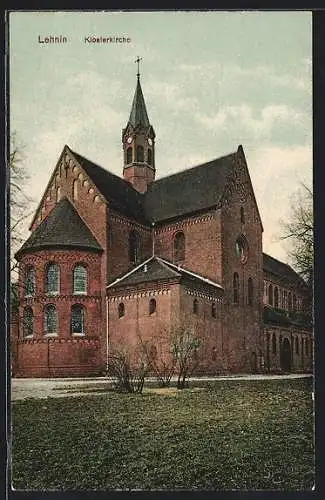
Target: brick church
[111, 259]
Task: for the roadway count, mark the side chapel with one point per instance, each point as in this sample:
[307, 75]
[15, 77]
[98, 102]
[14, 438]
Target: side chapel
[110, 258]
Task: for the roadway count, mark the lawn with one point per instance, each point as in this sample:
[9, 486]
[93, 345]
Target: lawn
[220, 435]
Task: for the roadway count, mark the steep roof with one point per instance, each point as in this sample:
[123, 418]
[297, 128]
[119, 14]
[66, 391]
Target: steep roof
[62, 228]
[191, 190]
[157, 269]
[119, 193]
[139, 115]
[281, 270]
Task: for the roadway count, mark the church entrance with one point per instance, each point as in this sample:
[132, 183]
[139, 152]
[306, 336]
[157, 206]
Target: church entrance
[285, 355]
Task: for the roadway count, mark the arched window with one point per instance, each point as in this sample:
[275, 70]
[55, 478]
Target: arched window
[121, 310]
[250, 291]
[75, 190]
[306, 347]
[284, 300]
[289, 301]
[152, 306]
[294, 303]
[214, 353]
[50, 319]
[29, 282]
[28, 320]
[195, 306]
[140, 153]
[271, 295]
[242, 215]
[213, 310]
[241, 248]
[58, 194]
[80, 280]
[78, 319]
[276, 297]
[236, 288]
[149, 156]
[274, 344]
[297, 345]
[134, 247]
[129, 155]
[179, 247]
[52, 284]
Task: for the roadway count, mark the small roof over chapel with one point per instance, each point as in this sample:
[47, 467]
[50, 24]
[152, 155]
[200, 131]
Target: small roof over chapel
[63, 228]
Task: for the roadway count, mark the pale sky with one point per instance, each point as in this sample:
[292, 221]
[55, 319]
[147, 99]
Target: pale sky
[211, 81]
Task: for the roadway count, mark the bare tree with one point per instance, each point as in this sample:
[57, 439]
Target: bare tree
[161, 361]
[173, 350]
[19, 200]
[128, 367]
[185, 342]
[299, 231]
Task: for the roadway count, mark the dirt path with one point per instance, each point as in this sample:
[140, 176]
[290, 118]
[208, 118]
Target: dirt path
[22, 388]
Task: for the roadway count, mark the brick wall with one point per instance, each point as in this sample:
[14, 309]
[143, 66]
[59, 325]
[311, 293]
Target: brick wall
[118, 261]
[207, 328]
[59, 357]
[202, 243]
[242, 322]
[174, 311]
[67, 350]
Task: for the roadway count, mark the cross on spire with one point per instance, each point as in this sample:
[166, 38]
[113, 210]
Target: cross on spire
[138, 60]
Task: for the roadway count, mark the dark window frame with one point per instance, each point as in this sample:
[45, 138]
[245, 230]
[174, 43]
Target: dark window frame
[140, 153]
[250, 291]
[129, 155]
[134, 246]
[236, 289]
[152, 306]
[50, 314]
[271, 298]
[30, 282]
[78, 314]
[28, 322]
[179, 246]
[79, 267]
[121, 310]
[273, 344]
[50, 289]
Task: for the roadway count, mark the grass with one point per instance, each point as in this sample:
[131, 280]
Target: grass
[222, 435]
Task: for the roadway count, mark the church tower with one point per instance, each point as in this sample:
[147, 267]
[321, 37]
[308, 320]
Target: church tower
[138, 140]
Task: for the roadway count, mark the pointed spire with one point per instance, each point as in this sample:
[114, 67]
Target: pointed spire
[139, 115]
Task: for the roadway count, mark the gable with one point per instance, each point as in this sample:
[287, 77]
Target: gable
[239, 182]
[191, 191]
[120, 195]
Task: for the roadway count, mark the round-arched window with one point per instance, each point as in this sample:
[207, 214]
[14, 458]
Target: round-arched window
[179, 246]
[121, 310]
[78, 319]
[152, 306]
[80, 279]
[241, 248]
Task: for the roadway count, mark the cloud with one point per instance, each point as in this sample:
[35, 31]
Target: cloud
[221, 71]
[276, 174]
[259, 123]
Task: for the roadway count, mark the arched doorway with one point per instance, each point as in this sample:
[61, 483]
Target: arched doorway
[285, 355]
